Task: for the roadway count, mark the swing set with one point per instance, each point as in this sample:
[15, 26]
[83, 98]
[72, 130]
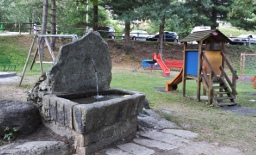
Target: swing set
[37, 40]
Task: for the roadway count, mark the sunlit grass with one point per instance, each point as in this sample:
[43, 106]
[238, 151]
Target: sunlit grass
[234, 32]
[212, 123]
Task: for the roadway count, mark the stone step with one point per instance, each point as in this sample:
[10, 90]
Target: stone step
[136, 149]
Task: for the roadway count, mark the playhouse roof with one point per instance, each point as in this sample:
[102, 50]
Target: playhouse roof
[206, 36]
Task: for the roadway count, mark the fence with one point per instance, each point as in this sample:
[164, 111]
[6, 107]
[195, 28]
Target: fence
[247, 64]
[16, 27]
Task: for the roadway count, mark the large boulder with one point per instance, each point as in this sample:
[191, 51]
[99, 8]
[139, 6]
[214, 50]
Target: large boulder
[23, 116]
[81, 66]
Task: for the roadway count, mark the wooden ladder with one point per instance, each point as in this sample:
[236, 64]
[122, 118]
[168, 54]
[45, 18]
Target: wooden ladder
[222, 94]
[220, 88]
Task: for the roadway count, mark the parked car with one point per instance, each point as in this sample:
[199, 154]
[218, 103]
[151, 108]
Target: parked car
[168, 36]
[107, 32]
[243, 39]
[138, 35]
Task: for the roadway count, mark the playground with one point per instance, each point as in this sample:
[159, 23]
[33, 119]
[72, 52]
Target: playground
[223, 128]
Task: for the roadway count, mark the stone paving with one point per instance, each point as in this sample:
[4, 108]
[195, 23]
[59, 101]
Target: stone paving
[161, 140]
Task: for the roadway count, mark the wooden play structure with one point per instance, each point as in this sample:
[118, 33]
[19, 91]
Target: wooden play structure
[208, 65]
[37, 39]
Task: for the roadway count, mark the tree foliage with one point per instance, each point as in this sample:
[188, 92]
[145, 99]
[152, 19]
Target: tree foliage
[208, 12]
[125, 11]
[180, 15]
[243, 14]
[21, 11]
[159, 11]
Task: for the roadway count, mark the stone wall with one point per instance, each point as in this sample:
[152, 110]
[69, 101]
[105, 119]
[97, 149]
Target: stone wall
[93, 126]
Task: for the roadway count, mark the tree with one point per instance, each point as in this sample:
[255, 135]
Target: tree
[209, 11]
[243, 14]
[53, 22]
[21, 11]
[95, 14]
[125, 11]
[44, 25]
[159, 11]
[95, 11]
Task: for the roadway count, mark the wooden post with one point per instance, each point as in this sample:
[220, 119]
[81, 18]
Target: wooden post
[184, 70]
[19, 29]
[40, 54]
[49, 48]
[34, 59]
[199, 69]
[222, 50]
[242, 61]
[210, 92]
[222, 64]
[28, 57]
[234, 78]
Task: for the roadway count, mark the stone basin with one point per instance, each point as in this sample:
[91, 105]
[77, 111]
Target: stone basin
[93, 126]
[64, 96]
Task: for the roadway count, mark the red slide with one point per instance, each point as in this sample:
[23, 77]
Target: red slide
[173, 84]
[162, 65]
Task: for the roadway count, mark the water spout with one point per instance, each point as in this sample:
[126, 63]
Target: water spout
[97, 82]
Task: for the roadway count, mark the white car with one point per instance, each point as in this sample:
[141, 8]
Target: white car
[138, 35]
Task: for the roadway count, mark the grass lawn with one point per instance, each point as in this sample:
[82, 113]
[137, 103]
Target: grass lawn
[213, 124]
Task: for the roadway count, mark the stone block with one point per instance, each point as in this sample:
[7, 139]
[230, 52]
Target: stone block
[91, 117]
[45, 109]
[121, 131]
[60, 112]
[53, 109]
[77, 120]
[68, 109]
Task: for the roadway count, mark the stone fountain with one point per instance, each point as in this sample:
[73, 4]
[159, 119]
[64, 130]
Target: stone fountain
[75, 99]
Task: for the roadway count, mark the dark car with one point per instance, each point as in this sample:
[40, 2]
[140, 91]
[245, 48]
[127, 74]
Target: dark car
[168, 36]
[107, 32]
[243, 39]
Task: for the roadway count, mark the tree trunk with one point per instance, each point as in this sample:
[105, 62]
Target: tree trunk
[214, 19]
[53, 23]
[95, 15]
[127, 40]
[161, 36]
[44, 25]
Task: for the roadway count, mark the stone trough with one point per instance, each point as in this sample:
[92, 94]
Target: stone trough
[67, 97]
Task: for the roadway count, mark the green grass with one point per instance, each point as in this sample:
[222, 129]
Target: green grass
[212, 123]
[16, 49]
[234, 32]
